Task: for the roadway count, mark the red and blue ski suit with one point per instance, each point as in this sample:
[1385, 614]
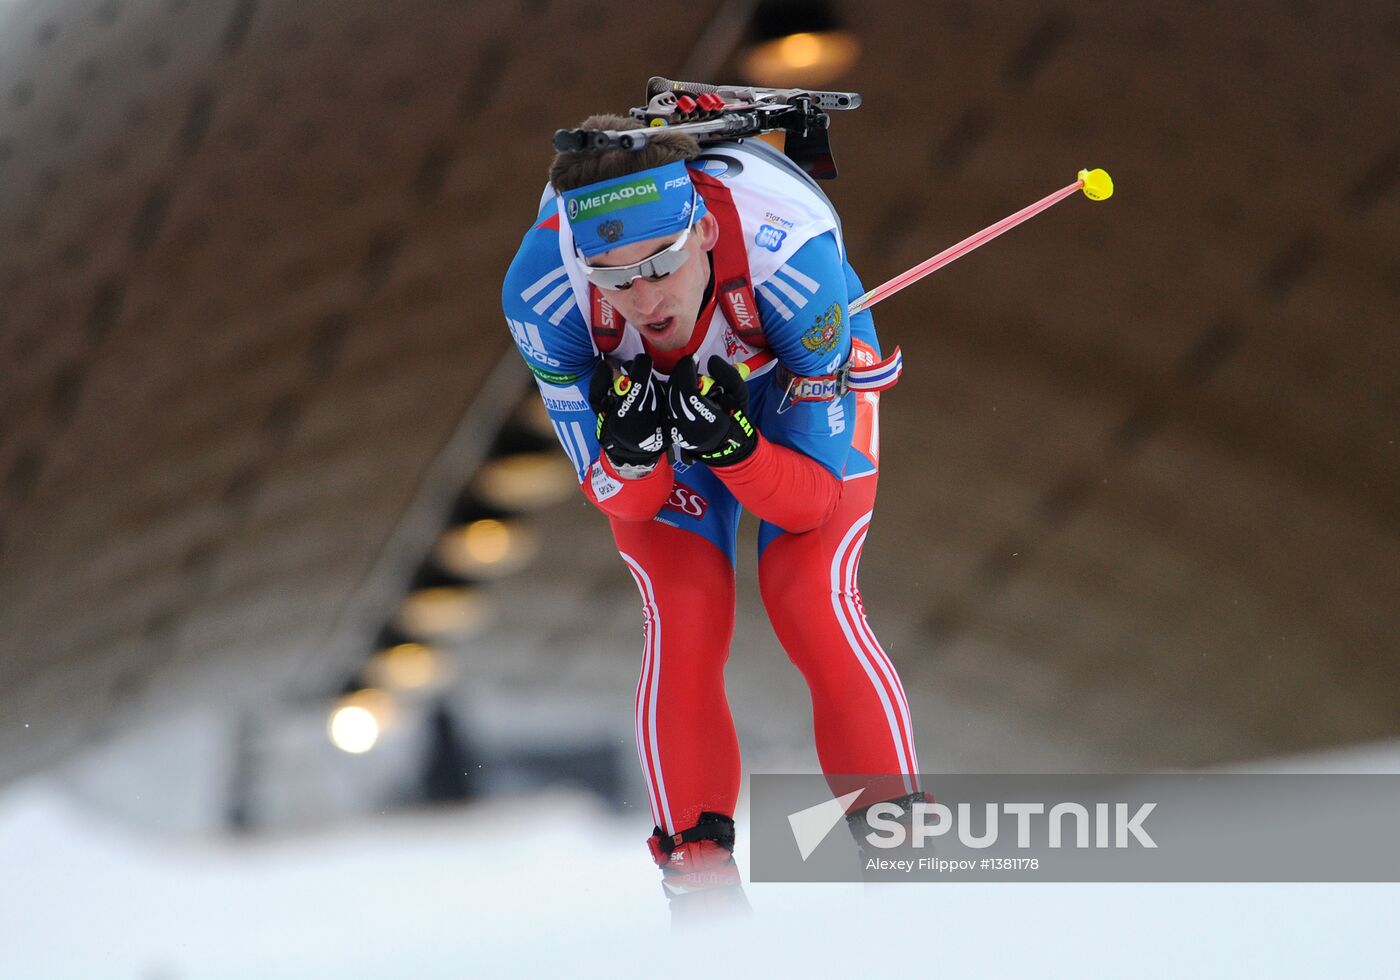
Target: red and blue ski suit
[811, 482]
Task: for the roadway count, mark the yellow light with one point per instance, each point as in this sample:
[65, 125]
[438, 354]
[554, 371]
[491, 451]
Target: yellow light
[800, 50]
[407, 667]
[443, 612]
[487, 548]
[486, 541]
[357, 720]
[526, 481]
[353, 729]
[802, 59]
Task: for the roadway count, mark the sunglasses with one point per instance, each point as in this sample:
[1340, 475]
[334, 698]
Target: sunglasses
[653, 268]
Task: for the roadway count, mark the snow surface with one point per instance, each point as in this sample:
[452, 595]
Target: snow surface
[556, 885]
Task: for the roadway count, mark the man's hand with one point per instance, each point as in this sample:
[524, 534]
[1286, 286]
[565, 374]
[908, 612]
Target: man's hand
[707, 416]
[631, 412]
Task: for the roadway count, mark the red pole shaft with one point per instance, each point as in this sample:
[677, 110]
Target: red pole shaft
[969, 243]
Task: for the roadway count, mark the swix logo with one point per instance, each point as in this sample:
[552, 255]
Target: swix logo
[744, 318]
[607, 316]
[686, 501]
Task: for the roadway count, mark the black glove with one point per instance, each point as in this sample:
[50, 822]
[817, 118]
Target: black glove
[708, 423]
[631, 412]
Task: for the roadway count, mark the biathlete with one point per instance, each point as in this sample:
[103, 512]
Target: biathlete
[684, 313]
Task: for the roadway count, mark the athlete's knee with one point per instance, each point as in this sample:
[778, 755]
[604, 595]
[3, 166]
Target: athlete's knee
[789, 579]
[688, 638]
[822, 629]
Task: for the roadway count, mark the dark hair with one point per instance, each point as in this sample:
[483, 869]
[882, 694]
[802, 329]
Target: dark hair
[579, 168]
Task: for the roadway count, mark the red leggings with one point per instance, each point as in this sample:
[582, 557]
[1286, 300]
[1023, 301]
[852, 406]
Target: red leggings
[685, 732]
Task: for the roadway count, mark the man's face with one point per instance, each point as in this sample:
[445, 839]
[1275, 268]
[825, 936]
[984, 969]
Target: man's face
[665, 310]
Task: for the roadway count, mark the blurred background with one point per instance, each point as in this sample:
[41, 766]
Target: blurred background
[291, 565]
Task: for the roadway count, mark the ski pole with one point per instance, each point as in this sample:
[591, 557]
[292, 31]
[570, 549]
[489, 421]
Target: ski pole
[1097, 185]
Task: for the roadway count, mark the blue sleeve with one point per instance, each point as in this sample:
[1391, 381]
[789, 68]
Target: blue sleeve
[552, 336]
[862, 324]
[804, 318]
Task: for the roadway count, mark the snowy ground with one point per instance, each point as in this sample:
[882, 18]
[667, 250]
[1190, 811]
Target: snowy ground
[554, 885]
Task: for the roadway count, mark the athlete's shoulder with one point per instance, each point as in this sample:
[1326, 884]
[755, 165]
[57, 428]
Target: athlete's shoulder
[540, 244]
[754, 165]
[813, 274]
[779, 207]
[540, 303]
[765, 184]
[803, 304]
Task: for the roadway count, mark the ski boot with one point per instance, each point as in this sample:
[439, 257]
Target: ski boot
[698, 873]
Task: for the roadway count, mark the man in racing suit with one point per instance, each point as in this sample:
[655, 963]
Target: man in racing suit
[685, 316]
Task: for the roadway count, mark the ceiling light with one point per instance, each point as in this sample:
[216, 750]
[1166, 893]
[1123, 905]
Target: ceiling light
[798, 44]
[443, 612]
[358, 718]
[487, 548]
[407, 667]
[524, 482]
